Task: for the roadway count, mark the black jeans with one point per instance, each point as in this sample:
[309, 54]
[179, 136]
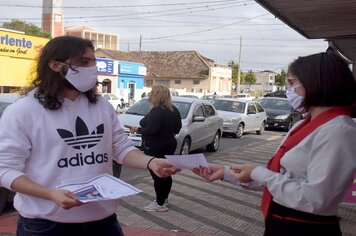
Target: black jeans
[279, 223]
[41, 227]
[159, 148]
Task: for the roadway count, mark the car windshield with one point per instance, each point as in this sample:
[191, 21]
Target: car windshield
[143, 106]
[234, 106]
[276, 104]
[3, 105]
[241, 95]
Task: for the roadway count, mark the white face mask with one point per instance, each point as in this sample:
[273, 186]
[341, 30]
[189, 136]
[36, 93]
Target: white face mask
[83, 78]
[295, 99]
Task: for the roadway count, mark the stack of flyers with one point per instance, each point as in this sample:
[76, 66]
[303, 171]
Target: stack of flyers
[89, 193]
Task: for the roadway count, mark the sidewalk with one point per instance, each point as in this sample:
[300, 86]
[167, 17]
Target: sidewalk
[200, 208]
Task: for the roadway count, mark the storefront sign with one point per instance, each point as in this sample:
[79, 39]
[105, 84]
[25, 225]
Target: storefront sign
[131, 68]
[20, 45]
[105, 66]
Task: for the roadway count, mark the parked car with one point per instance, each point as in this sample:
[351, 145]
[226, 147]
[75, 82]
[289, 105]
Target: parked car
[117, 103]
[278, 93]
[241, 116]
[280, 114]
[201, 126]
[189, 96]
[210, 97]
[244, 96]
[6, 196]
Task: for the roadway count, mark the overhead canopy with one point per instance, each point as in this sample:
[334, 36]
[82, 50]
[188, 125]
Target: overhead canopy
[333, 20]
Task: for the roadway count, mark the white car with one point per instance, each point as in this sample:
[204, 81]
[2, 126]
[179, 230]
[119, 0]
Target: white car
[201, 126]
[114, 100]
[245, 96]
[241, 116]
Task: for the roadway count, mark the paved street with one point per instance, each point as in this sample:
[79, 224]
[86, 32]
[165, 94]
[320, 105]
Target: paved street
[198, 207]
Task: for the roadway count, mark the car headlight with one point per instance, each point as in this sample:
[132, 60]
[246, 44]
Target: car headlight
[282, 117]
[229, 120]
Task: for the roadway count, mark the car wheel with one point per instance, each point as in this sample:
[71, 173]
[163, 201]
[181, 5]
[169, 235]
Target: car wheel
[185, 147]
[262, 128]
[239, 131]
[214, 146]
[116, 169]
[3, 199]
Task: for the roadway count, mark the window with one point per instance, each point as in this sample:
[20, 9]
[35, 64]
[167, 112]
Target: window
[251, 109]
[259, 107]
[209, 110]
[196, 81]
[199, 111]
[178, 81]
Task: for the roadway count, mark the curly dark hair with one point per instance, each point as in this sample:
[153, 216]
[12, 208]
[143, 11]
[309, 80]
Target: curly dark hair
[49, 83]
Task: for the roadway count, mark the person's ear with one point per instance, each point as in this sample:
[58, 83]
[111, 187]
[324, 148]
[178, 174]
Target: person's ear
[55, 66]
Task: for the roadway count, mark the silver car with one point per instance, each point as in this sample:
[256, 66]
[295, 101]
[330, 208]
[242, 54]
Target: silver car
[241, 116]
[201, 126]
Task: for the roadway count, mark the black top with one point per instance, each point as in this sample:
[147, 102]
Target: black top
[160, 123]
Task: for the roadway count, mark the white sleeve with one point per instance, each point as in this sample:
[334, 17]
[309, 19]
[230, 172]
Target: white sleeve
[121, 144]
[331, 165]
[15, 146]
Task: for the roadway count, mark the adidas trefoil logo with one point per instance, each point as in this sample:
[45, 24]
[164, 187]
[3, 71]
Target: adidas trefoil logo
[82, 139]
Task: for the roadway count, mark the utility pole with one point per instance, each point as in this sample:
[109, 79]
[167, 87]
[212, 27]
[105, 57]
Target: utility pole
[239, 71]
[140, 47]
[128, 46]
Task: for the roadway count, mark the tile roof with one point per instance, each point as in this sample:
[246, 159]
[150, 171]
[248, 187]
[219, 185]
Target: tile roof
[166, 64]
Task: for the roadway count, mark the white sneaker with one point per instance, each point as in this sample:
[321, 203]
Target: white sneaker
[155, 207]
[166, 203]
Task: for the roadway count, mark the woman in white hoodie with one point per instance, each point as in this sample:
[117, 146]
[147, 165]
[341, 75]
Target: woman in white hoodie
[61, 132]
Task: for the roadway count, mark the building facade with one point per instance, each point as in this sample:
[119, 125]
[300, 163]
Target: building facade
[52, 17]
[99, 39]
[265, 83]
[187, 72]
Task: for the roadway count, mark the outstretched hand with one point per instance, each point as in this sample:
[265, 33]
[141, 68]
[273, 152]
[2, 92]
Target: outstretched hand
[243, 172]
[64, 198]
[214, 172]
[162, 167]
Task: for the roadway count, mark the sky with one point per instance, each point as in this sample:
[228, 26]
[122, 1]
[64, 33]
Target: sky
[214, 28]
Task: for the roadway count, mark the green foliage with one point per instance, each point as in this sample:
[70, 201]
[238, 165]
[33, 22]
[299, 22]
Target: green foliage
[280, 79]
[235, 70]
[250, 78]
[28, 28]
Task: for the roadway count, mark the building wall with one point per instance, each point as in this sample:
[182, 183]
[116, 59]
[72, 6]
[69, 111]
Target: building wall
[100, 40]
[265, 83]
[52, 17]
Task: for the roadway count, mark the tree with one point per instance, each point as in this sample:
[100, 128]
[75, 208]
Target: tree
[28, 28]
[250, 78]
[235, 70]
[280, 79]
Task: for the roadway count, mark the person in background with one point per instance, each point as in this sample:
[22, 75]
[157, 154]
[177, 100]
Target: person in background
[61, 132]
[308, 176]
[158, 129]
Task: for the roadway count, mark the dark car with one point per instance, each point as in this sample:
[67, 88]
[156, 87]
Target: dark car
[279, 93]
[280, 113]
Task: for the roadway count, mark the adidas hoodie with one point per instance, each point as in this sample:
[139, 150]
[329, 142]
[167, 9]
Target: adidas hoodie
[53, 147]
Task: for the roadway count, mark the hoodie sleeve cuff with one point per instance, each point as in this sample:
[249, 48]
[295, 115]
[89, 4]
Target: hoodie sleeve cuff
[9, 177]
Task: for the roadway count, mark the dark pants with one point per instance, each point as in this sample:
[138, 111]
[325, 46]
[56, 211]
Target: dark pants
[159, 148]
[41, 227]
[283, 221]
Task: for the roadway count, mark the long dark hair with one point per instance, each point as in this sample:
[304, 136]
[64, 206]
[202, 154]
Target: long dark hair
[49, 83]
[327, 79]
